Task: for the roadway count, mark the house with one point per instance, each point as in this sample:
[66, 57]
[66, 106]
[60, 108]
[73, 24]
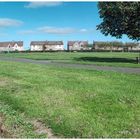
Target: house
[77, 45]
[108, 46]
[46, 45]
[54, 45]
[132, 46]
[37, 45]
[11, 46]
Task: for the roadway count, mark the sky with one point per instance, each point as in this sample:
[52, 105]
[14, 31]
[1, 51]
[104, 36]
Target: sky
[52, 21]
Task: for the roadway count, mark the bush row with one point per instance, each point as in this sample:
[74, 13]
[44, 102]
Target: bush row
[93, 50]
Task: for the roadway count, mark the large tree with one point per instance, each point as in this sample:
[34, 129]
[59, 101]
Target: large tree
[120, 18]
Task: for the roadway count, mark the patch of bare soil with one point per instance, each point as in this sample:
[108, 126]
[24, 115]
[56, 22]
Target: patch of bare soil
[3, 82]
[133, 131]
[40, 129]
[3, 131]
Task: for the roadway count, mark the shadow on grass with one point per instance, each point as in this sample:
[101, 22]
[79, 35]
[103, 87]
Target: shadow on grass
[106, 59]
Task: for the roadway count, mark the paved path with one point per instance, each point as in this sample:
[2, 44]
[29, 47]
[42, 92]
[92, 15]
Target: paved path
[80, 66]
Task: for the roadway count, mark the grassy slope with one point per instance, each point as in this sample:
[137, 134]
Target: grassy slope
[100, 58]
[74, 103]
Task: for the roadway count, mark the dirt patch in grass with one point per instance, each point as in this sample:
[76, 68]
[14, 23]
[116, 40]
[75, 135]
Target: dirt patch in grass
[41, 129]
[4, 133]
[133, 132]
[4, 82]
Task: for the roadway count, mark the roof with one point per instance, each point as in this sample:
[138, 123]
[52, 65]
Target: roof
[38, 42]
[12, 43]
[46, 43]
[70, 43]
[54, 42]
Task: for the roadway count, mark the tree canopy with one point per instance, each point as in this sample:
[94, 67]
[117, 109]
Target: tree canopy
[120, 18]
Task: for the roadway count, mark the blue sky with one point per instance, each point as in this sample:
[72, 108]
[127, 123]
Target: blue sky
[65, 21]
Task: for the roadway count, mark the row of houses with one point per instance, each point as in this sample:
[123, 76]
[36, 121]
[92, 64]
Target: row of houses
[44, 45]
[71, 46]
[58, 45]
[116, 46]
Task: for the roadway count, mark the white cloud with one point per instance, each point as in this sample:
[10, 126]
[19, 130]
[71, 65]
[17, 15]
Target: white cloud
[42, 4]
[7, 22]
[56, 30]
[25, 32]
[91, 30]
[83, 30]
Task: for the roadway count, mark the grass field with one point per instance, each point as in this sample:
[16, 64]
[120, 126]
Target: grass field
[72, 102]
[99, 58]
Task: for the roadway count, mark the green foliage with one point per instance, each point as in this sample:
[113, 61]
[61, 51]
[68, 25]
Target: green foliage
[90, 45]
[120, 18]
[16, 51]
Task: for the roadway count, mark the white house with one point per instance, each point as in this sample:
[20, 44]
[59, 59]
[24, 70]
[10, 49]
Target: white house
[134, 47]
[11, 46]
[54, 45]
[77, 45]
[46, 45]
[108, 46]
[37, 45]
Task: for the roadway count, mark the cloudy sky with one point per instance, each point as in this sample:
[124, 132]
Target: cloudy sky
[65, 21]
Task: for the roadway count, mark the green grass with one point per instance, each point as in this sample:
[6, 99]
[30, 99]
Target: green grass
[72, 102]
[99, 58]
[15, 124]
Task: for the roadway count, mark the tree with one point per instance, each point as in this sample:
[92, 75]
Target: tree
[120, 18]
[44, 47]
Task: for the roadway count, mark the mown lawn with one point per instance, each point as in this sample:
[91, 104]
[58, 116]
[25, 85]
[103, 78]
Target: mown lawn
[72, 102]
[123, 59]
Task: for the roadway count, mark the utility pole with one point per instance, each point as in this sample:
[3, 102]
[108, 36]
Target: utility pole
[139, 52]
[138, 58]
